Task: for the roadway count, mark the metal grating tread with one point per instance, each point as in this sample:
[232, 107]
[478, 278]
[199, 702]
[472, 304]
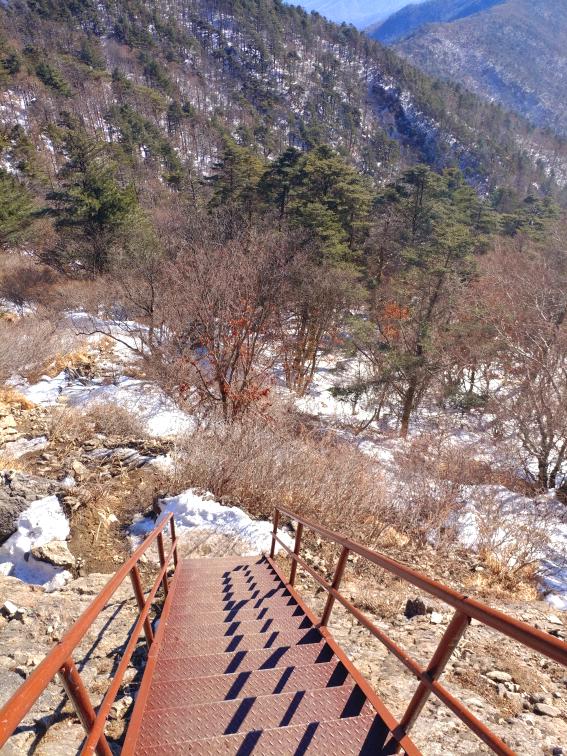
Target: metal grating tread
[245, 684]
[254, 610]
[250, 714]
[227, 629]
[348, 737]
[199, 601]
[173, 646]
[199, 583]
[242, 661]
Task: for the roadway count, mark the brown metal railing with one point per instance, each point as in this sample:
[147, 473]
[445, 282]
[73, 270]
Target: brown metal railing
[465, 610]
[60, 662]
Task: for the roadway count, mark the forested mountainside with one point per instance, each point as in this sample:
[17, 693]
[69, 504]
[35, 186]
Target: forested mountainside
[512, 52]
[168, 83]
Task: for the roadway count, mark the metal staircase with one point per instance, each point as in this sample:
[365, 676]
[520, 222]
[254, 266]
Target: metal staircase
[239, 665]
[241, 668]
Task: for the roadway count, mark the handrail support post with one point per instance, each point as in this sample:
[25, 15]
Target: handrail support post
[447, 645]
[172, 523]
[275, 530]
[161, 551]
[141, 601]
[73, 685]
[341, 564]
[298, 535]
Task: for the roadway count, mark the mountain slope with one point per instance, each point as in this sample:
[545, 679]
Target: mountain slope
[411, 17]
[514, 53]
[170, 80]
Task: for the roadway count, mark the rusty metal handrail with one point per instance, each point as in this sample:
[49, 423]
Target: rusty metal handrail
[59, 661]
[466, 609]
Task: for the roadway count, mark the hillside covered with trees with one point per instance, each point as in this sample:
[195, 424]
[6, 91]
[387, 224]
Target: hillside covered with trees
[511, 52]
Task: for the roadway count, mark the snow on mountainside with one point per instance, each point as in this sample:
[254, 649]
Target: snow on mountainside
[513, 53]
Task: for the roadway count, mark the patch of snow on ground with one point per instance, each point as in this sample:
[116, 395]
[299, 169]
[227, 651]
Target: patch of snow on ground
[145, 400]
[193, 512]
[511, 526]
[46, 391]
[43, 521]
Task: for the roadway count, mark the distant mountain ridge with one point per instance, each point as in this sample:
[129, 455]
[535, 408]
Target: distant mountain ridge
[411, 17]
[360, 13]
[512, 52]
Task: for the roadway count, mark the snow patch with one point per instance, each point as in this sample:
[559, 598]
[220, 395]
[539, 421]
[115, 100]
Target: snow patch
[143, 399]
[42, 522]
[193, 512]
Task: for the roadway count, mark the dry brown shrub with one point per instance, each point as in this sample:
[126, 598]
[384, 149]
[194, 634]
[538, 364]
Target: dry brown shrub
[70, 425]
[25, 283]
[76, 425]
[29, 344]
[10, 396]
[260, 465]
[112, 419]
[78, 358]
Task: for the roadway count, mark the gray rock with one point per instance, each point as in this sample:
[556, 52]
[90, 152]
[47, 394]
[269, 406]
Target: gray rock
[500, 677]
[546, 710]
[56, 553]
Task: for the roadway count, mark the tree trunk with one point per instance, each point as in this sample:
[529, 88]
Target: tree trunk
[408, 405]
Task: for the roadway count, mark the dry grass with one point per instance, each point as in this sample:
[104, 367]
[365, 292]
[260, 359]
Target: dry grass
[75, 425]
[29, 344]
[260, 465]
[112, 419]
[10, 396]
[76, 359]
[24, 282]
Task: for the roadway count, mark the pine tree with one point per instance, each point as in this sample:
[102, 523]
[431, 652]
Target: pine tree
[91, 208]
[16, 208]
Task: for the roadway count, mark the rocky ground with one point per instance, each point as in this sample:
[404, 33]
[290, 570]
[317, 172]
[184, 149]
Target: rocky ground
[517, 693]
[105, 480]
[30, 632]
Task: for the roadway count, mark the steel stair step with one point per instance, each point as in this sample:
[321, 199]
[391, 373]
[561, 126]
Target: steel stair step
[173, 646]
[222, 563]
[220, 599]
[245, 574]
[228, 629]
[255, 610]
[228, 578]
[355, 736]
[242, 661]
[245, 684]
[254, 713]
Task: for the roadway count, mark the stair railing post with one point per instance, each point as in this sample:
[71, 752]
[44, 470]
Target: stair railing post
[172, 523]
[341, 564]
[141, 601]
[298, 535]
[448, 643]
[73, 685]
[161, 552]
[274, 532]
